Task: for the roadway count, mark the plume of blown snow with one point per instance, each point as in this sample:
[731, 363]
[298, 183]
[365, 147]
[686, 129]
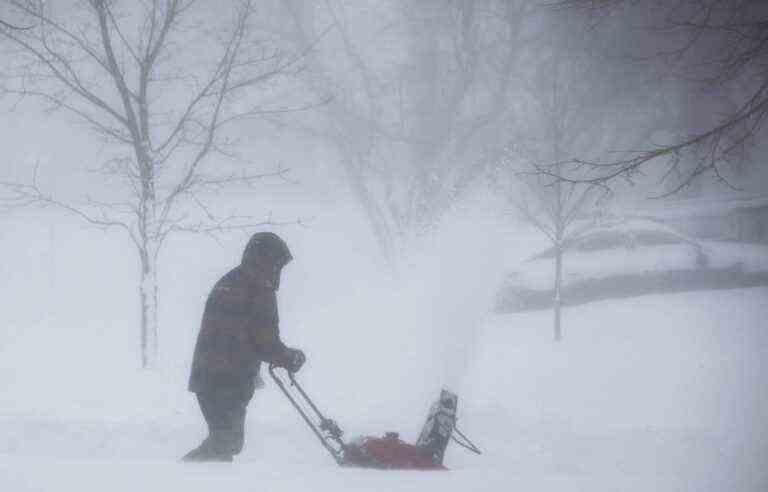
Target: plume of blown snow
[406, 337]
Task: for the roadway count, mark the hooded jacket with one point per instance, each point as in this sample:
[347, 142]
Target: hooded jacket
[240, 328]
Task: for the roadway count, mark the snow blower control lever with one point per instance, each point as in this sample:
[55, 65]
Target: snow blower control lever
[387, 452]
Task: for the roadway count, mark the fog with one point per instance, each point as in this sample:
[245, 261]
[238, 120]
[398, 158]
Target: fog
[556, 210]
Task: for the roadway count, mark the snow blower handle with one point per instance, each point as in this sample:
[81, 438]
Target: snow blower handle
[326, 424]
[327, 430]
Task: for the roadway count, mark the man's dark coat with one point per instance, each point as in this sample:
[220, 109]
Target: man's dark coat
[239, 330]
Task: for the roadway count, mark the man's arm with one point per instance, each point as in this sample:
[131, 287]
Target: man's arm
[265, 333]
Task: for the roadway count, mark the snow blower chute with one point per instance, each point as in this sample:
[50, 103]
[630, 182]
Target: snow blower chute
[387, 452]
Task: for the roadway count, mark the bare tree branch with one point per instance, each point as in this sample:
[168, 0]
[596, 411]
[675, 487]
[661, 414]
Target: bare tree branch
[737, 130]
[8, 25]
[72, 83]
[728, 43]
[25, 195]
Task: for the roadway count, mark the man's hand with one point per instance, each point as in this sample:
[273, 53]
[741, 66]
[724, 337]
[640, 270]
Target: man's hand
[294, 359]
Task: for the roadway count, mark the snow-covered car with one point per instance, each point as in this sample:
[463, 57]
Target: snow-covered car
[630, 257]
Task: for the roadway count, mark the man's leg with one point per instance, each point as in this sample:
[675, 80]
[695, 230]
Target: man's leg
[227, 422]
[224, 410]
[208, 402]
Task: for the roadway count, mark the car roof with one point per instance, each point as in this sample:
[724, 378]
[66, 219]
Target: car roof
[623, 228]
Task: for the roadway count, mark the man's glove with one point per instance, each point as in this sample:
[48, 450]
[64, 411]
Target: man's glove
[294, 359]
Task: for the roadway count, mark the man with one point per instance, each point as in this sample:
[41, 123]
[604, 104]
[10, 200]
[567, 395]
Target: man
[239, 331]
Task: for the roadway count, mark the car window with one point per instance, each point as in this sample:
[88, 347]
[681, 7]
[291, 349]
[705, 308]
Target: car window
[653, 238]
[602, 240]
[547, 253]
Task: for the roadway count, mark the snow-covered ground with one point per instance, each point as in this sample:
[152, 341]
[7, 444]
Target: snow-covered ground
[657, 393]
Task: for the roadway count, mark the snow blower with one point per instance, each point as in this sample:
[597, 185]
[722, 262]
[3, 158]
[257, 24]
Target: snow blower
[387, 452]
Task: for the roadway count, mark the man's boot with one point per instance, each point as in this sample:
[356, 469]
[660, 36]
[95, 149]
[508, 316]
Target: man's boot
[203, 454]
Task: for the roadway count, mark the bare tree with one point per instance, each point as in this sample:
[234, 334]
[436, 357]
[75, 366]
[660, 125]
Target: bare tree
[558, 211]
[571, 105]
[715, 45]
[410, 128]
[159, 82]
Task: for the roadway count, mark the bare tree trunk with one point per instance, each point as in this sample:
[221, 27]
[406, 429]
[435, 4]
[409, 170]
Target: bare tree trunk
[560, 225]
[148, 249]
[149, 305]
[52, 258]
[558, 292]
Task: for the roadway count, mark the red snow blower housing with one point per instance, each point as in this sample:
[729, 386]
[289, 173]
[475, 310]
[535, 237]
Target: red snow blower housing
[387, 452]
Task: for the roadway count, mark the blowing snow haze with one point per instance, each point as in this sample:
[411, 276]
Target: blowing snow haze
[557, 211]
